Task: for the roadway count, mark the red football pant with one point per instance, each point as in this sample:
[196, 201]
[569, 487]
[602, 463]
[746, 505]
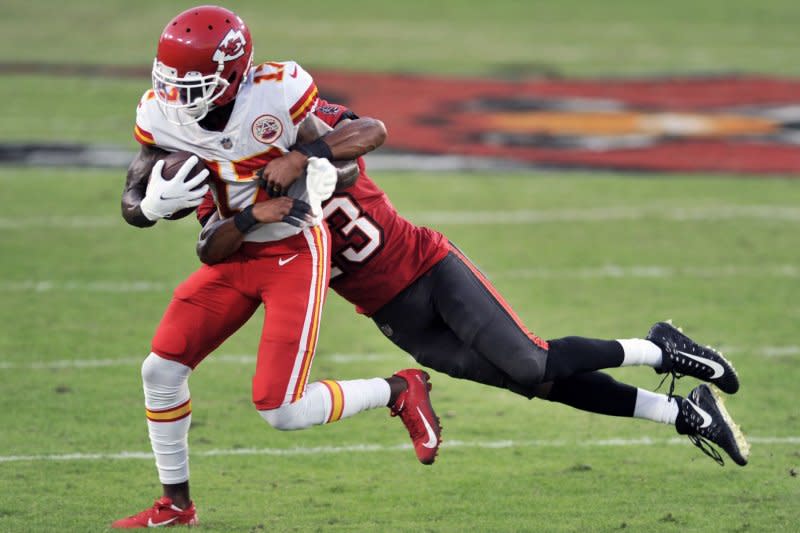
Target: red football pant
[289, 277]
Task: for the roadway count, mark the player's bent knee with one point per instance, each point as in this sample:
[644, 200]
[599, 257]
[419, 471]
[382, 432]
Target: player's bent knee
[285, 418]
[529, 367]
[542, 390]
[307, 411]
[157, 370]
[452, 366]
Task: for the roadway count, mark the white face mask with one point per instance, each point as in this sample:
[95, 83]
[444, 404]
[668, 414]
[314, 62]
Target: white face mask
[186, 100]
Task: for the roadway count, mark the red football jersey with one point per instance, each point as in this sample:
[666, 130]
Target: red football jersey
[376, 253]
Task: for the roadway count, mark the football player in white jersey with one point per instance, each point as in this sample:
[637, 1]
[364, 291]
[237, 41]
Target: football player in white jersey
[209, 100]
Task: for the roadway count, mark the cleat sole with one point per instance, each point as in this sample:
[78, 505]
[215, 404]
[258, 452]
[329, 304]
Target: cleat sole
[742, 445]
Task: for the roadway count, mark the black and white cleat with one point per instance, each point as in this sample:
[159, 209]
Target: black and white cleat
[684, 357]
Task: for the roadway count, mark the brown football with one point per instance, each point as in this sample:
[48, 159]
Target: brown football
[172, 164]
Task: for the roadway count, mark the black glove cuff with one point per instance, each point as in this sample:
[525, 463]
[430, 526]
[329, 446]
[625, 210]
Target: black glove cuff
[318, 148]
[244, 220]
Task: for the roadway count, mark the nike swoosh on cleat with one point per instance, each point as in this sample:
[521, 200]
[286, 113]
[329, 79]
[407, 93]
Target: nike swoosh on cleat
[718, 369]
[282, 261]
[150, 522]
[432, 440]
[706, 417]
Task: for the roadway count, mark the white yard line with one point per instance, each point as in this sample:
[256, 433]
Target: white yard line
[85, 286]
[61, 222]
[780, 351]
[776, 352]
[371, 448]
[524, 216]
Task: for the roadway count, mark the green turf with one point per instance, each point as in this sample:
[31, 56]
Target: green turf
[731, 280]
[507, 38]
[72, 237]
[452, 36]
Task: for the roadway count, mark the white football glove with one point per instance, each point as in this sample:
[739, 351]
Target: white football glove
[165, 197]
[320, 181]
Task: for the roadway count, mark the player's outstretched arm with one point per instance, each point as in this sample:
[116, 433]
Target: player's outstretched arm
[136, 185]
[350, 140]
[372, 133]
[221, 238]
[218, 240]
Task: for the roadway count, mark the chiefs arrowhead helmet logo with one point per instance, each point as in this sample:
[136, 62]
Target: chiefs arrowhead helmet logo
[231, 47]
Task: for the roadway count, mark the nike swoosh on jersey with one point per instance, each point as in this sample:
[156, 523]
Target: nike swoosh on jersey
[706, 417]
[150, 522]
[282, 261]
[294, 74]
[716, 367]
[432, 440]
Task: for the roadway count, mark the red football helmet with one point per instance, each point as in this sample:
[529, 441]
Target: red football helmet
[203, 55]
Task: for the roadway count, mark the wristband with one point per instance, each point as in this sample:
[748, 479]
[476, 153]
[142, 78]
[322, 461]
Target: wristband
[318, 148]
[244, 220]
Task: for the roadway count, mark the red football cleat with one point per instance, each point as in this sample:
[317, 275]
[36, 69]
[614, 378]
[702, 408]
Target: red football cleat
[161, 514]
[414, 408]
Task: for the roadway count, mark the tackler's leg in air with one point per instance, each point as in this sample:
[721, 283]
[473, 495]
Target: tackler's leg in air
[455, 321]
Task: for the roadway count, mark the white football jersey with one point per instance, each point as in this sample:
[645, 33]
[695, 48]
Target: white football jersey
[272, 102]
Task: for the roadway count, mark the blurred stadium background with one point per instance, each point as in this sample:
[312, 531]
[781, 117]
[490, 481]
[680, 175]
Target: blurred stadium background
[596, 249]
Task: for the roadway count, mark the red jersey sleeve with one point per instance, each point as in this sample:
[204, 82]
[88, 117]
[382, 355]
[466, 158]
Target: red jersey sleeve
[331, 113]
[206, 208]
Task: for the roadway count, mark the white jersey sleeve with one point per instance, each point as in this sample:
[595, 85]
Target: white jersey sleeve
[280, 96]
[142, 131]
[300, 92]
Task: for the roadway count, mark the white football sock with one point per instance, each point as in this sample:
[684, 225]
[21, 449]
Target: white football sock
[640, 352]
[656, 407]
[357, 395]
[328, 401]
[169, 415]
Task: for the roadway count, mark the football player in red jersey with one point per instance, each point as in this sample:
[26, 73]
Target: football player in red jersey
[208, 99]
[431, 301]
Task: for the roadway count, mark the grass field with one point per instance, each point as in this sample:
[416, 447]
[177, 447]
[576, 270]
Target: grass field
[729, 276]
[450, 37]
[576, 253]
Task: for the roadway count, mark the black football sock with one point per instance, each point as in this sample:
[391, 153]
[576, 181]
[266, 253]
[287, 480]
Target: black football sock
[595, 392]
[575, 355]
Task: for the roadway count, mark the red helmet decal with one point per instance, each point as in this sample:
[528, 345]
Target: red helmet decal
[231, 47]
